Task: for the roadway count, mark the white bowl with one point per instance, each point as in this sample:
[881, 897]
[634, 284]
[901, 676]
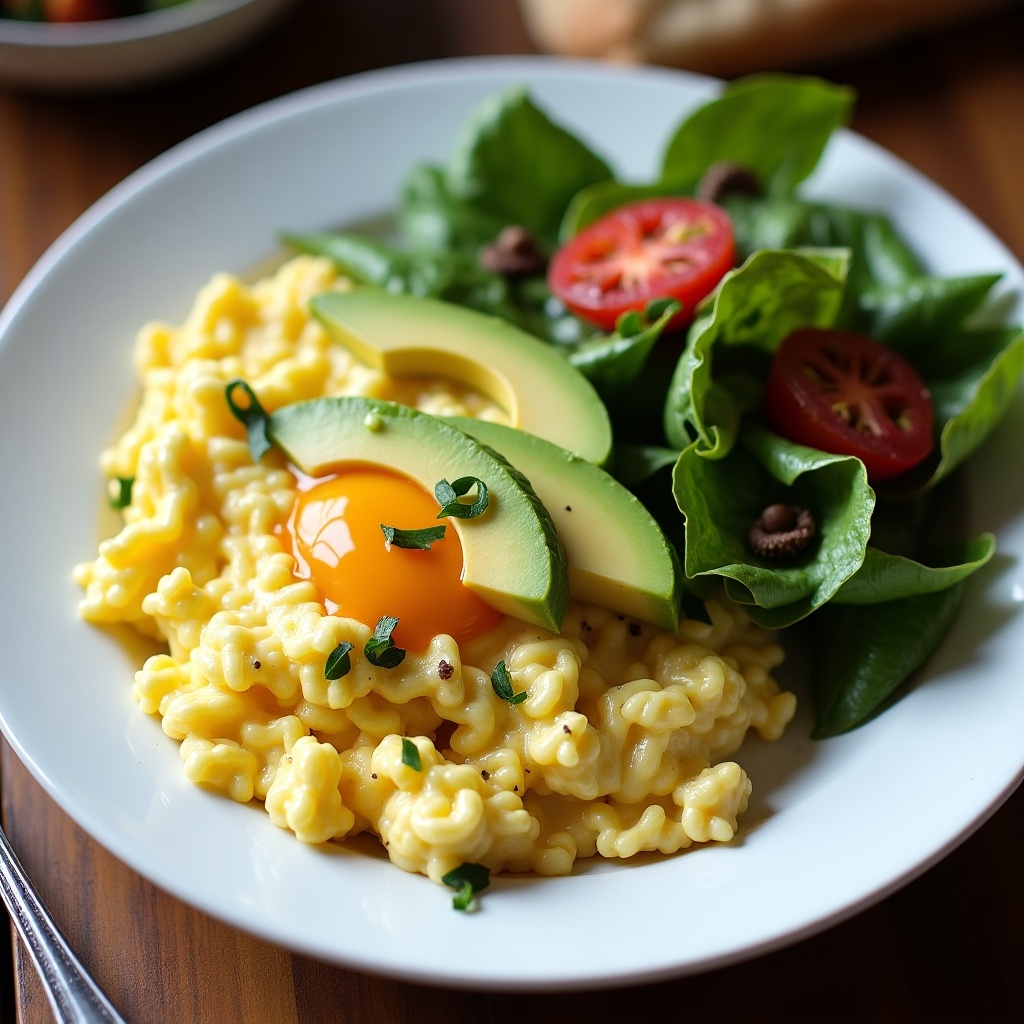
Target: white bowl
[124, 52]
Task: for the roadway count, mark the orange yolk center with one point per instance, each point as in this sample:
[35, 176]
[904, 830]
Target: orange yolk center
[336, 538]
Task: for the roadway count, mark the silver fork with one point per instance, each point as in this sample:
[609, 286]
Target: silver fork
[74, 997]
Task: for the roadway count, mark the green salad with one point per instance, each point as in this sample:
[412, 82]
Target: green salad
[791, 391]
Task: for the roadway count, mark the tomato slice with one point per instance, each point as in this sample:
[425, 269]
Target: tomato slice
[79, 10]
[671, 247]
[843, 393]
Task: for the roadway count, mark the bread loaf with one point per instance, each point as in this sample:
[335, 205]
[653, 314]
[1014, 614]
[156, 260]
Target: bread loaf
[730, 37]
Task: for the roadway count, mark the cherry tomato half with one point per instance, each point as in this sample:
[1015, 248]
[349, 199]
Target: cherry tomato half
[672, 247]
[843, 393]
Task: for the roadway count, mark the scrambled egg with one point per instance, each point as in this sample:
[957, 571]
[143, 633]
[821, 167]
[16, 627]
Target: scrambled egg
[617, 749]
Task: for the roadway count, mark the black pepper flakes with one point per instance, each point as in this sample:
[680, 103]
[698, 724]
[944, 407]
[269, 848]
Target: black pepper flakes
[514, 253]
[568, 508]
[444, 670]
[635, 629]
[373, 775]
[484, 774]
[782, 531]
[566, 730]
[256, 664]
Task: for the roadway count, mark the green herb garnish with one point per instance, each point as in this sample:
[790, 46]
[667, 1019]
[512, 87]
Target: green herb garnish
[119, 491]
[419, 540]
[338, 662]
[467, 879]
[448, 495]
[501, 682]
[380, 649]
[411, 755]
[636, 321]
[252, 416]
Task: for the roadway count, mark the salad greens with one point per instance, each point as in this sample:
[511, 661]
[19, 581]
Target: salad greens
[795, 119]
[883, 578]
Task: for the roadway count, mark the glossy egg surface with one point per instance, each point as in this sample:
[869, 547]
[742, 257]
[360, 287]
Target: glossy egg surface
[336, 535]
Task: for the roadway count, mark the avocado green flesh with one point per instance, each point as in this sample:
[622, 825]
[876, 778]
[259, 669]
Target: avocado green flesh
[618, 556]
[529, 379]
[511, 553]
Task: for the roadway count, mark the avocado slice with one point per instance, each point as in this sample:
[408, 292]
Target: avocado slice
[512, 557]
[618, 556]
[529, 379]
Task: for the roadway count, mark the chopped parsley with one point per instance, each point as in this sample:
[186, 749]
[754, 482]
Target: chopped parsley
[119, 491]
[338, 662]
[252, 416]
[419, 540]
[448, 495]
[501, 683]
[411, 754]
[467, 879]
[380, 649]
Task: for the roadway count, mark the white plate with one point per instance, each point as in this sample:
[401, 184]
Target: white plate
[833, 826]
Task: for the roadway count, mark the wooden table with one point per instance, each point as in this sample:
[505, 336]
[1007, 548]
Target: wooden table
[948, 947]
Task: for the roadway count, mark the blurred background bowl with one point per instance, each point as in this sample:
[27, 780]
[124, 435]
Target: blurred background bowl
[124, 52]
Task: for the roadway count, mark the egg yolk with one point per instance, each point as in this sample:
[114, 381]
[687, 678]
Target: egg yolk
[338, 544]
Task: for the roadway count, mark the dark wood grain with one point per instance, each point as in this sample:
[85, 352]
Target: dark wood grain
[947, 947]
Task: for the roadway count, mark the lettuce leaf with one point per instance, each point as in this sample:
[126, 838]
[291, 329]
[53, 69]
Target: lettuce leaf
[755, 306]
[431, 219]
[889, 577]
[775, 125]
[862, 654]
[920, 316]
[613, 362]
[451, 276]
[513, 164]
[970, 399]
[878, 255]
[721, 499]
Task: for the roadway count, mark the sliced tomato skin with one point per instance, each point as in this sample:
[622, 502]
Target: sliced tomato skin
[79, 10]
[843, 393]
[630, 256]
